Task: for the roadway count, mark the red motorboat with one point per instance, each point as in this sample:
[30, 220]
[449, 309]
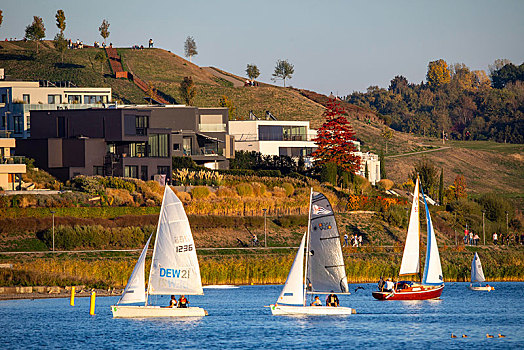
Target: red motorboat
[408, 290]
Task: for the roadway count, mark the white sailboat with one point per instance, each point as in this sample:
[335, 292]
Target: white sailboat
[432, 283]
[477, 275]
[324, 271]
[174, 268]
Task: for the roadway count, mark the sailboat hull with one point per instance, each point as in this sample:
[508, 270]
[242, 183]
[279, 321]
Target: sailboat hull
[416, 292]
[130, 311]
[290, 310]
[481, 288]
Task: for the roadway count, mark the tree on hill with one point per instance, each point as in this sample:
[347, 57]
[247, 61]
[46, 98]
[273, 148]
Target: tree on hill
[252, 71]
[387, 134]
[226, 102]
[60, 20]
[188, 90]
[190, 47]
[283, 70]
[100, 57]
[104, 29]
[398, 84]
[35, 31]
[427, 173]
[438, 73]
[335, 140]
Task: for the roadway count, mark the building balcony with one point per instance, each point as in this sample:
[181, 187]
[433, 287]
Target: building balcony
[212, 127]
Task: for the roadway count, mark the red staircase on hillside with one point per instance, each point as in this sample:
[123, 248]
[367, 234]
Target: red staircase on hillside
[116, 66]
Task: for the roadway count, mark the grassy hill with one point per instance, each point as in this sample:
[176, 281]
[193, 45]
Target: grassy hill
[487, 166]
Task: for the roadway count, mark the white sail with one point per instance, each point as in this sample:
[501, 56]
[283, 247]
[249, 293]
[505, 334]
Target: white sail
[410, 260]
[477, 275]
[432, 268]
[293, 291]
[174, 269]
[135, 291]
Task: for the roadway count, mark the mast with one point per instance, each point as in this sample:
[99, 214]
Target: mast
[307, 244]
[154, 248]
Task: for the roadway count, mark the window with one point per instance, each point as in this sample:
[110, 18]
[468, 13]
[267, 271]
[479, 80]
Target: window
[26, 98]
[61, 127]
[18, 126]
[131, 171]
[176, 147]
[143, 173]
[141, 124]
[282, 133]
[98, 170]
[212, 123]
[158, 145]
[270, 133]
[4, 98]
[111, 148]
[54, 99]
[94, 99]
[137, 149]
[187, 144]
[162, 170]
[74, 99]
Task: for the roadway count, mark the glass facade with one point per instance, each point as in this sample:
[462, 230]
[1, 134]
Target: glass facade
[296, 151]
[94, 99]
[74, 99]
[131, 171]
[282, 133]
[158, 145]
[137, 149]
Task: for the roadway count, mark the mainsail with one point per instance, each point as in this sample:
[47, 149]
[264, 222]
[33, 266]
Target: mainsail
[135, 290]
[293, 291]
[410, 259]
[325, 268]
[174, 269]
[477, 275]
[432, 267]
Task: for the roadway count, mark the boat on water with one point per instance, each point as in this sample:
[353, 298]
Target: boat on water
[174, 267]
[318, 268]
[477, 275]
[432, 283]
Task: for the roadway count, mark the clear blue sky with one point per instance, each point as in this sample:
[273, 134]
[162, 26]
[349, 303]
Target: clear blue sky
[335, 46]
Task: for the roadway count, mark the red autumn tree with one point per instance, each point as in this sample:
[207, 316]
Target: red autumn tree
[334, 140]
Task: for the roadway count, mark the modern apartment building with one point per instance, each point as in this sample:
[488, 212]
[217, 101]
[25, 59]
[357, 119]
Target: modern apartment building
[11, 168]
[19, 98]
[274, 137]
[129, 141]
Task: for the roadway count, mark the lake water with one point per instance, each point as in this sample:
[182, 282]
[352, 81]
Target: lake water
[237, 319]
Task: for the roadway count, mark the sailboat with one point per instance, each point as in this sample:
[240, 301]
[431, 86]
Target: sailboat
[174, 268]
[477, 275]
[324, 271]
[432, 281]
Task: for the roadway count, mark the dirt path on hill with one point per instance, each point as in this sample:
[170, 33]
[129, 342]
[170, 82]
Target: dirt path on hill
[216, 73]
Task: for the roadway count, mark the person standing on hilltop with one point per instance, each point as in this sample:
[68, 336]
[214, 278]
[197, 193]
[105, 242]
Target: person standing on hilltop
[150, 43]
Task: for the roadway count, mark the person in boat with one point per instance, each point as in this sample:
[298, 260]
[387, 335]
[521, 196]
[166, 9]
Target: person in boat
[332, 300]
[381, 284]
[316, 302]
[172, 301]
[389, 285]
[183, 302]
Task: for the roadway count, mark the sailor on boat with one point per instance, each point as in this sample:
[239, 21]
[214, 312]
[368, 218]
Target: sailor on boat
[332, 300]
[316, 302]
[172, 301]
[182, 302]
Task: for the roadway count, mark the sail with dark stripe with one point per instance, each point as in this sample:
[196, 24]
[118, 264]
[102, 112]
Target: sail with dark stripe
[325, 268]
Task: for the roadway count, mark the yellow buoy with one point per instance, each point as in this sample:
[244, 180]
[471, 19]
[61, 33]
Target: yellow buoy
[72, 300]
[92, 305]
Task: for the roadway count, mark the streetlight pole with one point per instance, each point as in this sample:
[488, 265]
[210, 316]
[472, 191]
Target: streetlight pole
[483, 227]
[265, 228]
[52, 212]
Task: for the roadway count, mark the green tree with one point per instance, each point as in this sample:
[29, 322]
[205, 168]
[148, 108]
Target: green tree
[427, 173]
[283, 70]
[60, 20]
[438, 73]
[188, 90]
[382, 160]
[459, 187]
[60, 44]
[226, 102]
[329, 173]
[252, 71]
[35, 31]
[387, 134]
[104, 29]
[398, 85]
[190, 47]
[101, 58]
[366, 171]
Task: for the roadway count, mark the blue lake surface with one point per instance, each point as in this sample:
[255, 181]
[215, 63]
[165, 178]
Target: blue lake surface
[237, 319]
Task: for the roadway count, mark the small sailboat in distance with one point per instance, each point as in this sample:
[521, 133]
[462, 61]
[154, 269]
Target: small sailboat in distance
[477, 275]
[324, 271]
[174, 268]
[432, 281]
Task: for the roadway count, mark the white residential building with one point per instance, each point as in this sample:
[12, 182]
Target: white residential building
[274, 137]
[18, 98]
[11, 168]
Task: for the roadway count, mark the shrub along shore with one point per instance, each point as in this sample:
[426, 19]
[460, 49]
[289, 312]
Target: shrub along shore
[111, 270]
